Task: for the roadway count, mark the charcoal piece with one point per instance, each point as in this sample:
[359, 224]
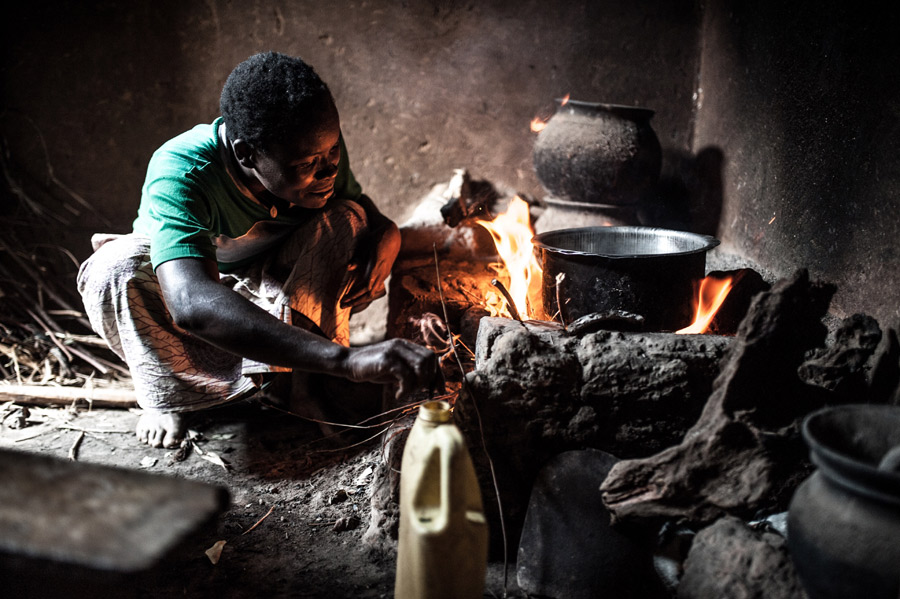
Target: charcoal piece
[467, 199]
[843, 366]
[744, 453]
[567, 547]
[615, 320]
[729, 560]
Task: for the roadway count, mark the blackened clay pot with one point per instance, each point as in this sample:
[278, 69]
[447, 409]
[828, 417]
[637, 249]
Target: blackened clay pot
[592, 153]
[844, 520]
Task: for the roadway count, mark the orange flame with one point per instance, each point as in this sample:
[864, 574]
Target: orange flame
[512, 235]
[538, 123]
[712, 293]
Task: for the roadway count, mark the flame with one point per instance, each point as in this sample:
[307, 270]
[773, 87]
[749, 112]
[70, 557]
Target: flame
[712, 293]
[539, 122]
[512, 235]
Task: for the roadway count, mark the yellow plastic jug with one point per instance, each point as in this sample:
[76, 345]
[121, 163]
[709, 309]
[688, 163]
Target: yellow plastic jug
[443, 538]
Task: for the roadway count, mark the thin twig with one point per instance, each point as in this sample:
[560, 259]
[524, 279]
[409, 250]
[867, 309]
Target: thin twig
[95, 431]
[559, 305]
[73, 451]
[464, 389]
[258, 522]
[345, 448]
[318, 421]
[509, 301]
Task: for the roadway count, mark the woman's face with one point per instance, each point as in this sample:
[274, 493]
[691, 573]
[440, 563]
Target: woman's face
[302, 172]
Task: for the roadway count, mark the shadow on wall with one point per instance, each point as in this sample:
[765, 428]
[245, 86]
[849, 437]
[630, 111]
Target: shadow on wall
[689, 193]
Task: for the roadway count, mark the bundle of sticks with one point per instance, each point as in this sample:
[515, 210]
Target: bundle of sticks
[46, 342]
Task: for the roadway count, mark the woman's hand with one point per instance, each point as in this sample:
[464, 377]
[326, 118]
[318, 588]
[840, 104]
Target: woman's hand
[398, 362]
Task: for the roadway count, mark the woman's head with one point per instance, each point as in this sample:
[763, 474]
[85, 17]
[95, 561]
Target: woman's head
[272, 98]
[283, 127]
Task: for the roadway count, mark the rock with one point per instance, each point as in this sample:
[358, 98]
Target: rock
[345, 523]
[744, 453]
[568, 549]
[729, 560]
[843, 366]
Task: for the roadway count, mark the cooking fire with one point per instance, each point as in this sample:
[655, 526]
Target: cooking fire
[686, 420]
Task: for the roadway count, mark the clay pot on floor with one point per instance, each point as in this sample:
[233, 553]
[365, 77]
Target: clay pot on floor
[844, 520]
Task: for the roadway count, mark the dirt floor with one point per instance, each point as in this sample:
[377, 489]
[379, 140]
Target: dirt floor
[310, 496]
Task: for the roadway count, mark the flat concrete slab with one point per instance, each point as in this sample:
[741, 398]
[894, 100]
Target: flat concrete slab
[92, 522]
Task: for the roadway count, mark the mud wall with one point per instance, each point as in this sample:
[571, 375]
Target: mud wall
[795, 102]
[92, 88]
[801, 100]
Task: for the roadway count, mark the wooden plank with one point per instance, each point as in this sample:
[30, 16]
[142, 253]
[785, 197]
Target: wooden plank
[46, 395]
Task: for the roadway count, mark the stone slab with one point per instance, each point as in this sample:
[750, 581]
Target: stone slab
[89, 522]
[568, 549]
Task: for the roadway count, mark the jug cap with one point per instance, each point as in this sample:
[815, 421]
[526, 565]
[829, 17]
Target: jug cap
[435, 411]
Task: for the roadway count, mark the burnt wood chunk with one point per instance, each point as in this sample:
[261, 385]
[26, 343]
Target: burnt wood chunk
[744, 451]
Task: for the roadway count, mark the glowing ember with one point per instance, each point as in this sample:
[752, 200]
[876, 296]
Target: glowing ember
[712, 293]
[538, 123]
[512, 235]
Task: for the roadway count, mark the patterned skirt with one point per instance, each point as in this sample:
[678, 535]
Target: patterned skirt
[173, 371]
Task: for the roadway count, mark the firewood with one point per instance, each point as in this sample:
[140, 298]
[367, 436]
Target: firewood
[46, 395]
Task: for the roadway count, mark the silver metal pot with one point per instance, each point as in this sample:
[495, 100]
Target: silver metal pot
[644, 270]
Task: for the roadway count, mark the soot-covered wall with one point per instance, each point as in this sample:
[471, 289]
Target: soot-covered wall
[423, 86]
[799, 99]
[803, 100]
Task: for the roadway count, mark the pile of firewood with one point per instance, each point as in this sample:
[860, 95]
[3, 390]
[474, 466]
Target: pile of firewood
[45, 338]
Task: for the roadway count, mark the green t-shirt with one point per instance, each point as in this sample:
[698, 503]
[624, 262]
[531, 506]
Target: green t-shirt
[191, 206]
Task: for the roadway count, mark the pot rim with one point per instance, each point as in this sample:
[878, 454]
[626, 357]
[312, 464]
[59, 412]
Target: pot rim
[631, 112]
[853, 474]
[706, 242]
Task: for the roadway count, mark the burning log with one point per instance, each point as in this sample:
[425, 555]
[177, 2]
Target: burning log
[744, 452]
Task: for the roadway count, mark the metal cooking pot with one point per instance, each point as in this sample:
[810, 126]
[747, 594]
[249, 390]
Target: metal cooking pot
[643, 270]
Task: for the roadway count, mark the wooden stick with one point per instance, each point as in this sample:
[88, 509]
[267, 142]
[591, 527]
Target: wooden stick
[73, 451]
[258, 522]
[46, 395]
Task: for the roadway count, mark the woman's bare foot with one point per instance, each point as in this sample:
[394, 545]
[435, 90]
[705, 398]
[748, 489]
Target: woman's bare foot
[161, 429]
